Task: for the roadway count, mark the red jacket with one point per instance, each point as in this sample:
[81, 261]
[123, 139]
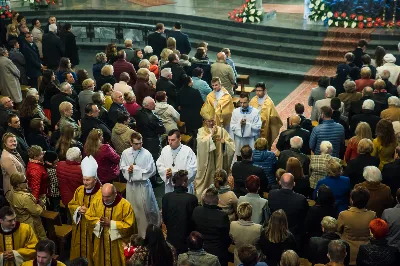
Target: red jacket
[108, 161]
[38, 180]
[121, 65]
[69, 179]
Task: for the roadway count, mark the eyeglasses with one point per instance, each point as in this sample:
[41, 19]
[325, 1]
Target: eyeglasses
[139, 143]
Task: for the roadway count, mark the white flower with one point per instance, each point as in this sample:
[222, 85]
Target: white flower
[244, 14]
[258, 20]
[312, 13]
[251, 5]
[31, 1]
[345, 24]
[330, 22]
[318, 2]
[336, 23]
[252, 0]
[315, 19]
[353, 25]
[323, 18]
[252, 11]
[251, 18]
[259, 13]
[330, 14]
[322, 7]
[311, 5]
[244, 19]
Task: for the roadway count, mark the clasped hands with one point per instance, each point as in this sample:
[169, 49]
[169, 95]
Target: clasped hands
[105, 222]
[8, 255]
[215, 136]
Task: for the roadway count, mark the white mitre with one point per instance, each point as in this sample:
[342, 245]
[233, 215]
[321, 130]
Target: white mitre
[89, 167]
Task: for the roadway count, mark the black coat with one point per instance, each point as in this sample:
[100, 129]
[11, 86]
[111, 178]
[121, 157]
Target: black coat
[294, 205]
[390, 176]
[33, 63]
[22, 145]
[339, 118]
[164, 84]
[177, 213]
[203, 64]
[158, 42]
[103, 80]
[40, 139]
[182, 41]
[273, 251]
[113, 113]
[381, 101]
[318, 249]
[285, 136]
[48, 92]
[55, 102]
[190, 101]
[71, 49]
[378, 253]
[312, 223]
[88, 123]
[19, 61]
[356, 106]
[241, 170]
[355, 167]
[358, 53]
[365, 116]
[4, 116]
[178, 73]
[286, 154]
[214, 225]
[53, 50]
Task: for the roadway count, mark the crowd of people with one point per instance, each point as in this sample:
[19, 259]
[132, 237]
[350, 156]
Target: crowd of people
[329, 193]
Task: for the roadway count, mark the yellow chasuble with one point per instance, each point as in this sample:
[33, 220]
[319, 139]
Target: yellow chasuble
[212, 155]
[223, 108]
[81, 244]
[34, 263]
[271, 122]
[21, 239]
[107, 248]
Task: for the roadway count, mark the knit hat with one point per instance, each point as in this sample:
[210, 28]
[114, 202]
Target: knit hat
[389, 58]
[89, 167]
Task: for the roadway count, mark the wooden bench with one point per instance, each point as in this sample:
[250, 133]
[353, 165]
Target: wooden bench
[245, 89]
[235, 101]
[56, 230]
[186, 139]
[242, 80]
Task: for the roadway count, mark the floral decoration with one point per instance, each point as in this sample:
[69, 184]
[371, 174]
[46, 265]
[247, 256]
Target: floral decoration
[35, 3]
[246, 13]
[319, 11]
[5, 12]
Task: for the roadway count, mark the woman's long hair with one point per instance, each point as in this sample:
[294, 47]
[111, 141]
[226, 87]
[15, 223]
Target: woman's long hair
[277, 229]
[64, 65]
[380, 52]
[363, 131]
[325, 197]
[93, 142]
[29, 106]
[385, 132]
[294, 167]
[221, 178]
[65, 141]
[159, 252]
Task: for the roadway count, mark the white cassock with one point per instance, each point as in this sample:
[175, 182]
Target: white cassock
[139, 191]
[245, 134]
[182, 158]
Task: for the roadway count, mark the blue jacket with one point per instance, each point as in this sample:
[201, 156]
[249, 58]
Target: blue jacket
[330, 131]
[267, 161]
[232, 64]
[340, 187]
[202, 87]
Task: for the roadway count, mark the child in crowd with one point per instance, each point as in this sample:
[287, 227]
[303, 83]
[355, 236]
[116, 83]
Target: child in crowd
[135, 242]
[184, 61]
[50, 160]
[154, 65]
[107, 89]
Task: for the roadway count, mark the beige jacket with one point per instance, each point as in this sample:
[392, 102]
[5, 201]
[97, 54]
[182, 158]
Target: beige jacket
[225, 73]
[9, 165]
[120, 137]
[243, 233]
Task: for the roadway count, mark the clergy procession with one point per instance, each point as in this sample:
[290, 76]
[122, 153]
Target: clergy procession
[108, 229]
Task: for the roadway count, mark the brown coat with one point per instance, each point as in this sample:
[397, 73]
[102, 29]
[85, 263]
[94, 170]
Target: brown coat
[347, 98]
[9, 165]
[353, 226]
[120, 138]
[244, 233]
[392, 113]
[380, 196]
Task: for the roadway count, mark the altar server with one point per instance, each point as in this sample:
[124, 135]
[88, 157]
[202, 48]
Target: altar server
[175, 157]
[245, 124]
[137, 166]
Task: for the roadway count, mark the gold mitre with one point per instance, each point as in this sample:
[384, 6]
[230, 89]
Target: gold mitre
[207, 112]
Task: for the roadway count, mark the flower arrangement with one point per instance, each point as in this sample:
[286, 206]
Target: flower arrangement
[5, 12]
[247, 13]
[321, 12]
[36, 3]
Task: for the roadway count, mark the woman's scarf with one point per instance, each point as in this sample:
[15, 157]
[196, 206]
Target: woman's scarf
[16, 154]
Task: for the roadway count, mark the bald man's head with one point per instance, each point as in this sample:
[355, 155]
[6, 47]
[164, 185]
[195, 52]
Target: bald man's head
[121, 54]
[109, 192]
[294, 120]
[287, 181]
[368, 91]
[7, 102]
[221, 56]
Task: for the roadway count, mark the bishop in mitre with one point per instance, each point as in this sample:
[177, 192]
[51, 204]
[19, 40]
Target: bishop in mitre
[84, 197]
[221, 101]
[215, 150]
[271, 122]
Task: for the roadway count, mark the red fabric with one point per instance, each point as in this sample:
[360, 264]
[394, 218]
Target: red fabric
[143, 89]
[108, 161]
[69, 179]
[47, 113]
[128, 252]
[155, 70]
[362, 83]
[132, 108]
[38, 180]
[121, 65]
[351, 150]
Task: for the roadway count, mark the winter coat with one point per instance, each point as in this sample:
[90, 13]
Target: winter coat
[143, 89]
[380, 196]
[69, 176]
[108, 161]
[53, 50]
[38, 179]
[71, 49]
[9, 80]
[168, 115]
[120, 137]
[19, 60]
[164, 84]
[10, 165]
[190, 101]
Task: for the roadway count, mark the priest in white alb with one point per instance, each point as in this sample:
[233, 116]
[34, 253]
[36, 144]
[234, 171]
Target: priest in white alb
[137, 166]
[245, 124]
[174, 157]
[215, 150]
